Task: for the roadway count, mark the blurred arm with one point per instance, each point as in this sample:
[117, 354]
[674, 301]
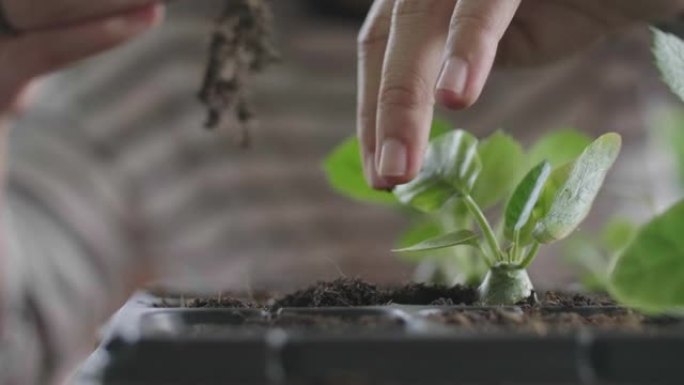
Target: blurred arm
[66, 259]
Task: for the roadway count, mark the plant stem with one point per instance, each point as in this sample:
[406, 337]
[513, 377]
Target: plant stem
[481, 220]
[529, 257]
[504, 285]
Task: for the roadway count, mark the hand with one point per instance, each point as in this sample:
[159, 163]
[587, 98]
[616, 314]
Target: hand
[55, 33]
[413, 53]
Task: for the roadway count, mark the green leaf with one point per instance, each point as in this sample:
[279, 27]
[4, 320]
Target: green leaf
[502, 160]
[669, 126]
[593, 265]
[523, 201]
[669, 52]
[450, 169]
[439, 127]
[417, 233]
[617, 234]
[574, 199]
[461, 237]
[554, 182]
[558, 147]
[650, 273]
[344, 171]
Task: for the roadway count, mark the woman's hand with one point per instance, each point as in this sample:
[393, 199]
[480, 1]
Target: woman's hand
[413, 53]
[55, 33]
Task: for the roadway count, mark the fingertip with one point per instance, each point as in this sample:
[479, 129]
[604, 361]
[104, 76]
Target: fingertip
[371, 173]
[452, 100]
[394, 181]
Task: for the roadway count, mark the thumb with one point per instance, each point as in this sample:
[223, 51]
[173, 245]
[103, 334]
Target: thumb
[27, 56]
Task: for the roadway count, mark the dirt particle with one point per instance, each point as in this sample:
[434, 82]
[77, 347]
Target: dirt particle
[240, 47]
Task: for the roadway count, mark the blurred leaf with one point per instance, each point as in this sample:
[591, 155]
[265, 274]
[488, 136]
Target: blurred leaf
[558, 147]
[581, 252]
[344, 171]
[439, 127]
[650, 273]
[524, 199]
[502, 159]
[417, 233]
[450, 169]
[669, 53]
[574, 199]
[670, 126]
[460, 237]
[617, 234]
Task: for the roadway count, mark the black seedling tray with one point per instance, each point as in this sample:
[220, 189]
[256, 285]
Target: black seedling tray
[388, 344]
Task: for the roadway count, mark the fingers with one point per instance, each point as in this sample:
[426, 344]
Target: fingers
[406, 96]
[41, 14]
[37, 53]
[371, 49]
[476, 28]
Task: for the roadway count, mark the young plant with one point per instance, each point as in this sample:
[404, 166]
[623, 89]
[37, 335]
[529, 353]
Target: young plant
[546, 206]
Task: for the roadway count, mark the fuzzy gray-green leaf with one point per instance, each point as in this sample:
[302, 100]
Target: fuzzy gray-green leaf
[456, 238]
[450, 169]
[669, 53]
[574, 198]
[524, 199]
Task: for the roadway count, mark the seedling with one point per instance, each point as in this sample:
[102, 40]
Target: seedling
[545, 207]
[464, 177]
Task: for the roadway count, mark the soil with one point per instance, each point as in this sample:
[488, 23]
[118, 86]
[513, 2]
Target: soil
[550, 312]
[240, 47]
[302, 322]
[355, 292]
[348, 292]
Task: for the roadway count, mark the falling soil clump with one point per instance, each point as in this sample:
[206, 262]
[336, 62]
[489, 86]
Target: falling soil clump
[240, 47]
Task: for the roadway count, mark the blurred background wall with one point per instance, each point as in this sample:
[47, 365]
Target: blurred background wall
[268, 209]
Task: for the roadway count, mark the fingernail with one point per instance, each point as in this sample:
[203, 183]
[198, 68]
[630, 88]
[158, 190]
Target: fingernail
[454, 76]
[393, 158]
[136, 22]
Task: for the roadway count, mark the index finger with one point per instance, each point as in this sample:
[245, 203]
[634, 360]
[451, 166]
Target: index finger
[41, 14]
[406, 97]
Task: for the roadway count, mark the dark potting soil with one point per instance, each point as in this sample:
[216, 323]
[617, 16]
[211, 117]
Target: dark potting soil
[331, 324]
[541, 321]
[347, 292]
